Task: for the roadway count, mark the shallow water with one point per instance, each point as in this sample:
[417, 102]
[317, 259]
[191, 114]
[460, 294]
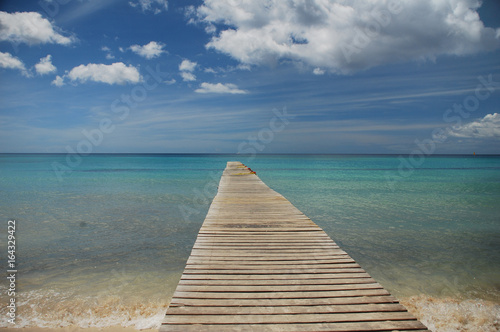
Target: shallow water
[107, 243]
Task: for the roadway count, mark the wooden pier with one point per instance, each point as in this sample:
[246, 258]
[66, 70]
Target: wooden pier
[259, 264]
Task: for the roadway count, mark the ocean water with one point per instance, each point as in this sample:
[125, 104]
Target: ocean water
[103, 241]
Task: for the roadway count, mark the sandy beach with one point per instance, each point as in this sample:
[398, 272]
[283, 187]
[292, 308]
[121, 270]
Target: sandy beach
[77, 329]
[449, 314]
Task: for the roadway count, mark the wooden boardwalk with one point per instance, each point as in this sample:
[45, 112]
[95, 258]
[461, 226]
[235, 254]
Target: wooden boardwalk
[259, 264]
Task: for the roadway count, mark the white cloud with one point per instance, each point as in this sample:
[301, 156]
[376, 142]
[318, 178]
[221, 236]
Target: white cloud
[170, 82]
[9, 61]
[149, 51]
[219, 88]
[30, 28]
[318, 71]
[187, 65]
[116, 73]
[58, 81]
[345, 36]
[243, 66]
[45, 66]
[187, 76]
[487, 127]
[155, 6]
[109, 55]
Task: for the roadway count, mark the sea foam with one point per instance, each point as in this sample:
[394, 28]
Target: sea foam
[50, 309]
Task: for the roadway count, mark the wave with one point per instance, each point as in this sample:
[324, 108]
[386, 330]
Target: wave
[51, 309]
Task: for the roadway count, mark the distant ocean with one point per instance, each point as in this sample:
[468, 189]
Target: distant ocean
[103, 241]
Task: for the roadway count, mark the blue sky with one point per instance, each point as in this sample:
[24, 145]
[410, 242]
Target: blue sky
[221, 76]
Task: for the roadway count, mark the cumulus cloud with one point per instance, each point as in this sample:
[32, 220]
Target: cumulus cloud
[109, 55]
[186, 68]
[45, 66]
[187, 65]
[9, 61]
[170, 82]
[187, 76]
[155, 6]
[149, 51]
[487, 127]
[116, 73]
[318, 71]
[219, 88]
[30, 28]
[344, 36]
[210, 70]
[58, 81]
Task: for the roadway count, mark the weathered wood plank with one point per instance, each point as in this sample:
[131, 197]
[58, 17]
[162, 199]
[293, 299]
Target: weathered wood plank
[274, 288]
[290, 266]
[262, 252]
[213, 261]
[295, 318]
[252, 240]
[272, 310]
[333, 327]
[208, 276]
[272, 271]
[225, 282]
[285, 302]
[280, 295]
[280, 248]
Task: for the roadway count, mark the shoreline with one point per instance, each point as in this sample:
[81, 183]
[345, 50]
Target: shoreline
[438, 314]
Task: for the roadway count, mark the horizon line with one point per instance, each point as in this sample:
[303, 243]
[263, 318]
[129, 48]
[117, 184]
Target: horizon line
[236, 154]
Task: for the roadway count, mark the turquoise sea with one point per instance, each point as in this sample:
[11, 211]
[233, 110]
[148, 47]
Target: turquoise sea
[102, 241]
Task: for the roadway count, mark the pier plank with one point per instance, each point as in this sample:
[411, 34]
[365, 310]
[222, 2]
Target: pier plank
[272, 310]
[191, 303]
[269, 282]
[332, 327]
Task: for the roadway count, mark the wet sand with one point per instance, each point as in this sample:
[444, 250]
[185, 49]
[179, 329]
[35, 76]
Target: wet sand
[76, 329]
